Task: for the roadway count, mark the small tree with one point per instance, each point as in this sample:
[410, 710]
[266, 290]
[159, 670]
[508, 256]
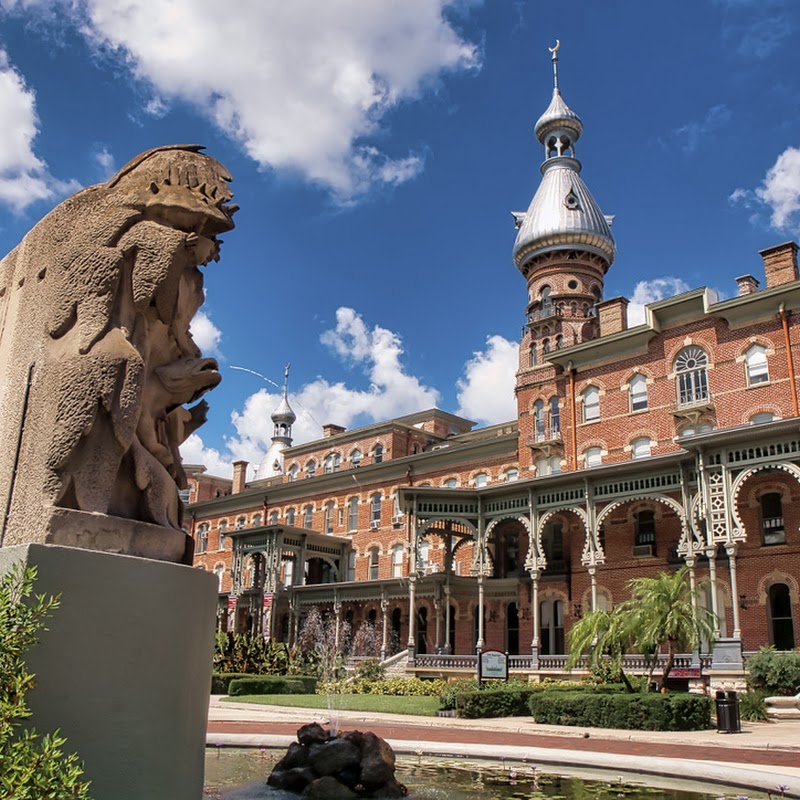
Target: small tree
[663, 614]
[320, 645]
[31, 766]
[604, 638]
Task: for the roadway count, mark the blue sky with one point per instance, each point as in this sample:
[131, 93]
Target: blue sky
[377, 149]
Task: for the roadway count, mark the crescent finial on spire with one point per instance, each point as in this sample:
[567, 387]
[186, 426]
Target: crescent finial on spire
[554, 51]
[286, 378]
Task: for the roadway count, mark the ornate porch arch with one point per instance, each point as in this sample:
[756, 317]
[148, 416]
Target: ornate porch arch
[739, 532]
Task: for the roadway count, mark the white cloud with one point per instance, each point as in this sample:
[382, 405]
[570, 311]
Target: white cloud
[302, 86]
[193, 451]
[392, 393]
[205, 333]
[105, 161]
[778, 195]
[24, 177]
[486, 393]
[650, 291]
[693, 134]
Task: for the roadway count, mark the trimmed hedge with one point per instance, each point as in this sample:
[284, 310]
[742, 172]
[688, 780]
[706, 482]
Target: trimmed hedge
[220, 681]
[266, 684]
[646, 712]
[501, 702]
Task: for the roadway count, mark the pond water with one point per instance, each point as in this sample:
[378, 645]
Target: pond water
[241, 774]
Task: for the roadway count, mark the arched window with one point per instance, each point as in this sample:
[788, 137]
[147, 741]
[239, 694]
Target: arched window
[290, 513]
[762, 417]
[219, 571]
[638, 393]
[450, 483]
[352, 514]
[700, 427]
[273, 519]
[327, 524]
[377, 454]
[375, 510]
[551, 621]
[288, 572]
[294, 471]
[308, 515]
[332, 462]
[691, 377]
[373, 554]
[480, 480]
[593, 456]
[223, 533]
[397, 561]
[756, 360]
[781, 624]
[641, 447]
[538, 420]
[591, 403]
[555, 416]
[424, 556]
[239, 524]
[548, 466]
[512, 629]
[355, 458]
[511, 475]
[311, 468]
[202, 537]
[559, 341]
[534, 359]
[545, 345]
[545, 303]
[772, 529]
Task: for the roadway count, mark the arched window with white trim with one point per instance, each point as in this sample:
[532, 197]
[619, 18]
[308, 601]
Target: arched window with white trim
[691, 377]
[538, 420]
[593, 456]
[355, 458]
[352, 514]
[311, 468]
[202, 537]
[308, 516]
[480, 480]
[756, 364]
[591, 403]
[397, 561]
[638, 393]
[641, 447]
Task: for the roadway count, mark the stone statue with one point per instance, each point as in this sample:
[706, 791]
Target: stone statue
[97, 361]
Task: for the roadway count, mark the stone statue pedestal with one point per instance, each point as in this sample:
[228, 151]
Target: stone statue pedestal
[124, 670]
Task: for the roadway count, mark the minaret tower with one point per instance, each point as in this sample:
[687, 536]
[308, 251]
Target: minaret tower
[563, 249]
[283, 418]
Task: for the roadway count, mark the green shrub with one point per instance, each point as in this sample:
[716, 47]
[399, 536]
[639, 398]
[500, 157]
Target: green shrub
[31, 766]
[221, 680]
[453, 688]
[265, 684]
[657, 712]
[508, 700]
[773, 672]
[395, 687]
[752, 706]
[370, 669]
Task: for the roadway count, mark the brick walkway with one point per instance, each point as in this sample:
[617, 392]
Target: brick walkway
[451, 735]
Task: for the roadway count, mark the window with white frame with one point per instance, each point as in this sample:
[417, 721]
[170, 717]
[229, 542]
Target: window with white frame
[638, 393]
[762, 417]
[641, 447]
[219, 571]
[555, 416]
[591, 403]
[202, 537]
[352, 514]
[311, 468]
[294, 471]
[223, 533]
[240, 523]
[308, 515]
[593, 456]
[397, 561]
[691, 376]
[377, 454]
[332, 463]
[756, 360]
[533, 360]
[700, 427]
[548, 466]
[373, 555]
[375, 508]
[511, 475]
[424, 555]
[327, 525]
[480, 479]
[450, 483]
[288, 572]
[355, 458]
[538, 420]
[290, 513]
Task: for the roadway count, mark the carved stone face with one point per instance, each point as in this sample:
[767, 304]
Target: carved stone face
[96, 351]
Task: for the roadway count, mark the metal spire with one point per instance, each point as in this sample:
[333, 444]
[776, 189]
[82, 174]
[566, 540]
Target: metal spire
[554, 51]
[286, 379]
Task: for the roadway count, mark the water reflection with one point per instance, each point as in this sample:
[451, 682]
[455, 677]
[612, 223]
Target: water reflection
[241, 774]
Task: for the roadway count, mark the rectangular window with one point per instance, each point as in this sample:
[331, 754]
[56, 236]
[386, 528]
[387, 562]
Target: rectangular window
[373, 564]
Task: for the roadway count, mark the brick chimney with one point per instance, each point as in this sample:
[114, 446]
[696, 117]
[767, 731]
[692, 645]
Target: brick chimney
[239, 473]
[747, 284]
[613, 315]
[332, 430]
[780, 263]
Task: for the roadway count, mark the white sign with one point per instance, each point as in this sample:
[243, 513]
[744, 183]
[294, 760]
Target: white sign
[493, 664]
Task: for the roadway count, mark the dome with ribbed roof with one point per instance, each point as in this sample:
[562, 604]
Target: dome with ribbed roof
[558, 115]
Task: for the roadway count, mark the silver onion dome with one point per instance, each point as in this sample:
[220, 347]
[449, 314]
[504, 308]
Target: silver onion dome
[558, 116]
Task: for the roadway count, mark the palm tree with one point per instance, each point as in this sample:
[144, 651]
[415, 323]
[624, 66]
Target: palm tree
[602, 636]
[662, 613]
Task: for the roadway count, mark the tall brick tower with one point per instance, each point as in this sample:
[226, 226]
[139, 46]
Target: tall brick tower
[563, 249]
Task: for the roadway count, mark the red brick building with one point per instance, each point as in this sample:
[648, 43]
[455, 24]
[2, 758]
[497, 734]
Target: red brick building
[635, 450]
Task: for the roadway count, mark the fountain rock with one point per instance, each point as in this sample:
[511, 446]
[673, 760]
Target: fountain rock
[324, 766]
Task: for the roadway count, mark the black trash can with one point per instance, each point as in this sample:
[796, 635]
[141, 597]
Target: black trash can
[728, 713]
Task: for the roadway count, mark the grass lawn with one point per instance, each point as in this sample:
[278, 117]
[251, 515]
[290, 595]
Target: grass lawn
[385, 704]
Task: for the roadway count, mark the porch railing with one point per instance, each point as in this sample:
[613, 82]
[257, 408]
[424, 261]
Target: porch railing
[522, 663]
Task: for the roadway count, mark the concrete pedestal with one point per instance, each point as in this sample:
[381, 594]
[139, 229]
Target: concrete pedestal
[727, 655]
[124, 670]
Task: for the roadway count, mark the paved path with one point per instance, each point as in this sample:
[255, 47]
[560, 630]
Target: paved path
[762, 757]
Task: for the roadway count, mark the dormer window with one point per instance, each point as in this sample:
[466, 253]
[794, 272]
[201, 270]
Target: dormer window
[377, 454]
[355, 458]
